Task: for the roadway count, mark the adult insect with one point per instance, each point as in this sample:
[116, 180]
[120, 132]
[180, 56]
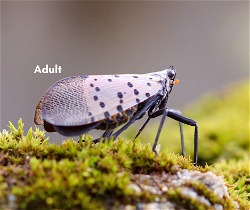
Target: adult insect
[78, 104]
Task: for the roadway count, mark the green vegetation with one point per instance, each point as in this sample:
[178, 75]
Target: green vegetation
[36, 174]
[237, 175]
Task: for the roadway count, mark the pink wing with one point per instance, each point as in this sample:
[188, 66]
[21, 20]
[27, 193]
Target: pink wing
[86, 99]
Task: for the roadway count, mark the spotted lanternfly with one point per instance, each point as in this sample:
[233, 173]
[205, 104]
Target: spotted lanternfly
[78, 104]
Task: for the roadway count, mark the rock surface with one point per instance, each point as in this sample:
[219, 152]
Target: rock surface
[205, 189]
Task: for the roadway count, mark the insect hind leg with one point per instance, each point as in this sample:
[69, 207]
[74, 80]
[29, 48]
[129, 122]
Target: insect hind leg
[181, 131]
[181, 119]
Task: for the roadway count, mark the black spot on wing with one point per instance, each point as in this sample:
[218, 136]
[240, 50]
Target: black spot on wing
[106, 114]
[119, 108]
[136, 92]
[102, 104]
[120, 95]
[97, 89]
[130, 84]
[95, 98]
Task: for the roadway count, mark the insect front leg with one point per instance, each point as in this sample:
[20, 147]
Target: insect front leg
[150, 111]
[142, 128]
[181, 119]
[180, 126]
[138, 115]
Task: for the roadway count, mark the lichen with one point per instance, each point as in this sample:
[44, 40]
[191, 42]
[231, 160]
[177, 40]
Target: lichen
[34, 172]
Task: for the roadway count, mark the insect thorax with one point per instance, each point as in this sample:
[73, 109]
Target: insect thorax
[118, 119]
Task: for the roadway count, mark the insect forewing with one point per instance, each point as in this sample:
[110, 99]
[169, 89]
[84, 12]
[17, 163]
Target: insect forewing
[86, 99]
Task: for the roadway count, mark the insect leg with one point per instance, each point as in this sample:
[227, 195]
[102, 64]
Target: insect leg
[178, 117]
[181, 132]
[164, 114]
[150, 111]
[190, 122]
[183, 152]
[105, 135]
[137, 115]
[142, 128]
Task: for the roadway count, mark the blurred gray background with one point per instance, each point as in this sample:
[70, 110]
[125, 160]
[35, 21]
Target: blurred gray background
[207, 42]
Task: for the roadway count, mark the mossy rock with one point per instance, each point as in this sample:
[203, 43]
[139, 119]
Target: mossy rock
[35, 174]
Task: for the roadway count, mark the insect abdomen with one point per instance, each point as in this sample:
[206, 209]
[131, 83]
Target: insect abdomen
[118, 119]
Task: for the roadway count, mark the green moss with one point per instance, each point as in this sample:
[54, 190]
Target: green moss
[185, 202]
[34, 172]
[212, 197]
[237, 175]
[71, 174]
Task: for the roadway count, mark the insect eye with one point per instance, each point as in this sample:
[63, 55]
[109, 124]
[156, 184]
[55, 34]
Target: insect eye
[171, 72]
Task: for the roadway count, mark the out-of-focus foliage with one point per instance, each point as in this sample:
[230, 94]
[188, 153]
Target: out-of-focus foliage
[237, 174]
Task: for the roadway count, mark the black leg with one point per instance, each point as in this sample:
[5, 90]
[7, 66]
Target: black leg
[142, 128]
[172, 114]
[181, 131]
[183, 152]
[137, 116]
[164, 115]
[105, 135]
[190, 122]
